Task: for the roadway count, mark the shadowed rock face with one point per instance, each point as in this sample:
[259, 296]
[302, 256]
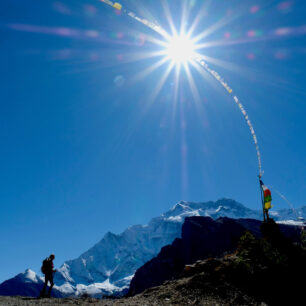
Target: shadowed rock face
[202, 237]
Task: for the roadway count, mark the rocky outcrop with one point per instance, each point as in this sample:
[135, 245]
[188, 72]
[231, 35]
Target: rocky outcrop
[202, 237]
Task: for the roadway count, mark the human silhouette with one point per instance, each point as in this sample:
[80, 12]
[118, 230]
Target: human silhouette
[47, 269]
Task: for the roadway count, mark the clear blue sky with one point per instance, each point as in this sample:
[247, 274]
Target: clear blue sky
[84, 150]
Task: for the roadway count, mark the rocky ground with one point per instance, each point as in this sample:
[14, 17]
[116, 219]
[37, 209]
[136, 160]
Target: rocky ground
[153, 296]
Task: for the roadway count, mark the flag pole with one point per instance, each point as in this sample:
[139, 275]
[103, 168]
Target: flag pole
[262, 203]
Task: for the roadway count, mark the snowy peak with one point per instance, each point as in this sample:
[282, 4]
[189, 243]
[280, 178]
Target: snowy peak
[29, 276]
[220, 208]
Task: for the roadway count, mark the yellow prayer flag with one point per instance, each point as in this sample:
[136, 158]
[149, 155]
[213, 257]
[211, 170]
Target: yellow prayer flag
[268, 205]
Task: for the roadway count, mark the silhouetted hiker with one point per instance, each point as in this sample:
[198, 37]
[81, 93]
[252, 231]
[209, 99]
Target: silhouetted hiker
[47, 269]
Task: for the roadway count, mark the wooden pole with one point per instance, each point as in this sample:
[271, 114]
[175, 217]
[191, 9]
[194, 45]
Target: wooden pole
[262, 202]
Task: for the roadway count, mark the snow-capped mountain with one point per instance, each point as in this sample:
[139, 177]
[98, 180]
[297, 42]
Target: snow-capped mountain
[108, 267]
[27, 283]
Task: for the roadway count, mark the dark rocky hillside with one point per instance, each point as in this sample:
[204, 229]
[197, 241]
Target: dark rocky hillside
[202, 238]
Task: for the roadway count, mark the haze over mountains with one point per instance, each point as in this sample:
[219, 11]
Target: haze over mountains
[108, 267]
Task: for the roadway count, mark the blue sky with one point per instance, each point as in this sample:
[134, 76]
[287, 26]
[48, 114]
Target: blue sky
[85, 149]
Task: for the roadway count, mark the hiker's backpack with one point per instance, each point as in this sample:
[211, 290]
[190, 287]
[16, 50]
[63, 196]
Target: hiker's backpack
[44, 266]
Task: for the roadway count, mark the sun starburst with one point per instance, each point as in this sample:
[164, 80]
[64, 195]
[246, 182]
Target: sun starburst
[180, 49]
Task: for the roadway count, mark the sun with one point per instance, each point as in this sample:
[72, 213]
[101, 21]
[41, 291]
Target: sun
[180, 49]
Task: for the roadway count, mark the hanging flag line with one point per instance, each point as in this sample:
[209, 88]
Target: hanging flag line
[154, 26]
[200, 59]
[287, 201]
